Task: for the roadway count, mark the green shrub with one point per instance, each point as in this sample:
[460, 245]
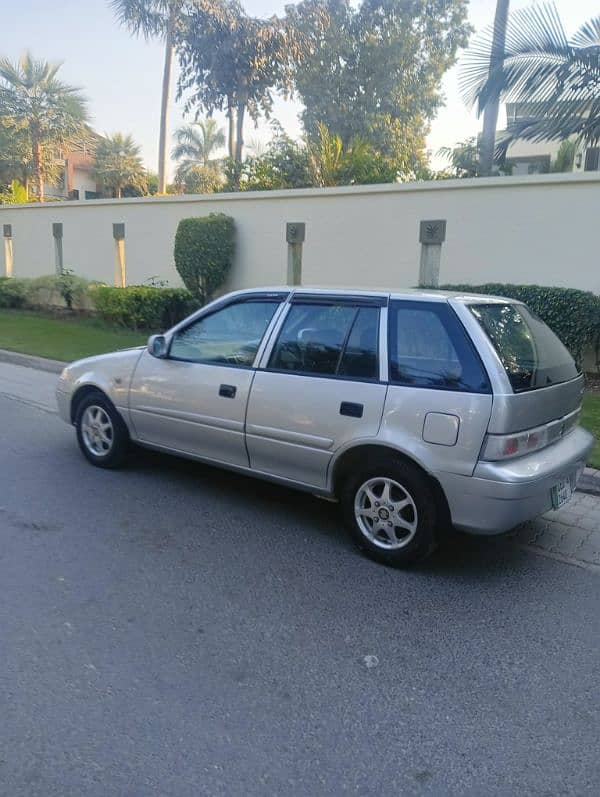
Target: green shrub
[52, 290]
[12, 292]
[66, 283]
[142, 306]
[204, 249]
[572, 314]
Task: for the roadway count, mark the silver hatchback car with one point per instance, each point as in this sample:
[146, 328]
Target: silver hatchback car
[414, 409]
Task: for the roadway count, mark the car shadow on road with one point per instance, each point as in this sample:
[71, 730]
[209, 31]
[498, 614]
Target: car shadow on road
[458, 555]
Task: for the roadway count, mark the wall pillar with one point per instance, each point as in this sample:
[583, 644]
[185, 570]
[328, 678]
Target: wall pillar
[432, 235]
[57, 234]
[295, 233]
[8, 251]
[120, 272]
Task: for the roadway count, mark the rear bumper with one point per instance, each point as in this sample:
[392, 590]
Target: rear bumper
[499, 496]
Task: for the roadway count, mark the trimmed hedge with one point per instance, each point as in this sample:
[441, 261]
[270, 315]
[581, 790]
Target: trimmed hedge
[48, 291]
[12, 292]
[204, 249]
[143, 307]
[572, 314]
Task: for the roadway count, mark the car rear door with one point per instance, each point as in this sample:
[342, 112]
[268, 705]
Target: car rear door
[318, 386]
[195, 400]
[440, 398]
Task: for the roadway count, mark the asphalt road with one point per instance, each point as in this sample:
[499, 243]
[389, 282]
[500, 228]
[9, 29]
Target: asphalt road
[172, 630]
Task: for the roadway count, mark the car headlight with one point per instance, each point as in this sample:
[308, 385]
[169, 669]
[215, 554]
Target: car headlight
[64, 378]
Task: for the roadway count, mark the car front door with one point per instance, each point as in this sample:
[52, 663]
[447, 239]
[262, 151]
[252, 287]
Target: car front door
[194, 401]
[318, 388]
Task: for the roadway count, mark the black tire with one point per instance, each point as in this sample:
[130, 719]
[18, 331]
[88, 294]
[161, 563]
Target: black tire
[420, 542]
[118, 435]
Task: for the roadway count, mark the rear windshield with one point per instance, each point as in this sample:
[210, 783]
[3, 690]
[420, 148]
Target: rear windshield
[532, 355]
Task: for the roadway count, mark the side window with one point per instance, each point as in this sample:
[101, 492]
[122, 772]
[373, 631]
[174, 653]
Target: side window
[428, 347]
[230, 336]
[360, 358]
[328, 340]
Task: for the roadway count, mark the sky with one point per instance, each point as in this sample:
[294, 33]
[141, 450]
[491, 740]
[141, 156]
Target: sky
[122, 75]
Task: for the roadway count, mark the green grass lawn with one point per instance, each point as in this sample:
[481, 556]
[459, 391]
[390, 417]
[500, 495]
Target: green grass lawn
[61, 339]
[590, 418]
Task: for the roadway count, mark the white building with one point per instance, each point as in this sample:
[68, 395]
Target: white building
[528, 157]
[77, 180]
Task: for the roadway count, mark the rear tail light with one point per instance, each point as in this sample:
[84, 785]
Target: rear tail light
[497, 446]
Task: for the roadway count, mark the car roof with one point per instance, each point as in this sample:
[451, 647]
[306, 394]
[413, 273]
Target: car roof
[426, 294]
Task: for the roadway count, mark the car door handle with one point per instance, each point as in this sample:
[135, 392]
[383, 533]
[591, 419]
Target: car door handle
[351, 409]
[227, 391]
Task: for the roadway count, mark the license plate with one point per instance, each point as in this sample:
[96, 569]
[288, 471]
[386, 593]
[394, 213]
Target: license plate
[561, 493]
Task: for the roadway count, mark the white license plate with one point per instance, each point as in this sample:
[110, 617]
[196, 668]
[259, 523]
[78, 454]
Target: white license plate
[561, 493]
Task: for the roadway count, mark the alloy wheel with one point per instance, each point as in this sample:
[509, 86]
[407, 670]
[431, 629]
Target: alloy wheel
[97, 431]
[386, 513]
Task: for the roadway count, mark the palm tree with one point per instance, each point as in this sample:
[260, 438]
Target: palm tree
[490, 112]
[565, 157]
[463, 157]
[15, 153]
[331, 162]
[152, 18]
[52, 113]
[195, 145]
[559, 77]
[326, 158]
[118, 164]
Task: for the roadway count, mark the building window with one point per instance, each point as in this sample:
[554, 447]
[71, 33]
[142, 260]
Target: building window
[592, 159]
[534, 164]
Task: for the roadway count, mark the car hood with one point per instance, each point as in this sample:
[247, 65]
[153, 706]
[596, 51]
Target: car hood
[119, 357]
[106, 371]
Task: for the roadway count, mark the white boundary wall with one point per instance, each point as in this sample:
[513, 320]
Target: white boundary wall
[541, 229]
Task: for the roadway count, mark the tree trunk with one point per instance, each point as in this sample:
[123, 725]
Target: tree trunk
[490, 113]
[239, 133]
[164, 104]
[231, 136]
[37, 166]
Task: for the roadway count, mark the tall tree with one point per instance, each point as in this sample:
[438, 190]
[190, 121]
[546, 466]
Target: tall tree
[155, 18]
[118, 164]
[196, 144]
[490, 112]
[556, 77]
[49, 112]
[233, 62]
[374, 70]
[15, 153]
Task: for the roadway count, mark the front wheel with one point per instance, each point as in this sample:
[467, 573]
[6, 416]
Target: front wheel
[391, 511]
[101, 432]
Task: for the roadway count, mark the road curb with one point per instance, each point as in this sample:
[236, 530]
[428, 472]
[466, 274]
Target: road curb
[589, 482]
[29, 361]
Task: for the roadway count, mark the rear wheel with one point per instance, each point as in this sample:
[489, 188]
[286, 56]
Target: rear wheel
[391, 510]
[101, 433]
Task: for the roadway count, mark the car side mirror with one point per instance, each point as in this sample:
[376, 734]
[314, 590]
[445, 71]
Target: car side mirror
[157, 346]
